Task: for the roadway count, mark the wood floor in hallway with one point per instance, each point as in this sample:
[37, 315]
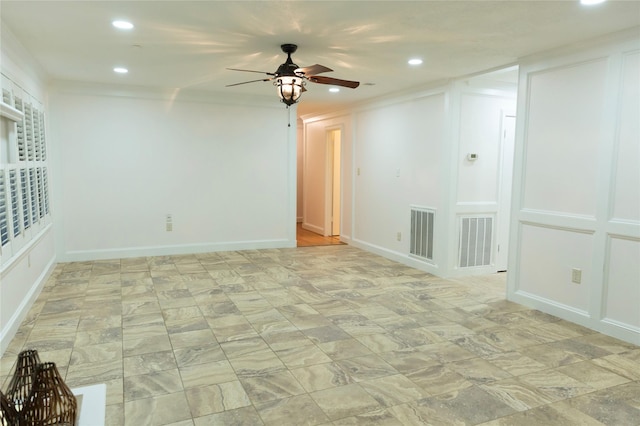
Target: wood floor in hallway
[308, 238]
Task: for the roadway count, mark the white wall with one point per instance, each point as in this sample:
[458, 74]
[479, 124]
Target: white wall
[411, 151]
[401, 153]
[124, 162]
[22, 277]
[578, 180]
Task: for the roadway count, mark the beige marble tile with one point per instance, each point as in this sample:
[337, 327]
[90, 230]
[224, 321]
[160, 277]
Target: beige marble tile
[197, 355]
[556, 385]
[257, 363]
[472, 405]
[299, 410]
[242, 347]
[380, 417]
[620, 365]
[195, 338]
[158, 410]
[276, 385]
[205, 400]
[556, 414]
[343, 349]
[94, 337]
[94, 372]
[607, 410]
[345, 401]
[245, 416]
[211, 373]
[322, 376]
[152, 384]
[148, 363]
[308, 354]
[96, 353]
[516, 394]
[243, 330]
[252, 334]
[515, 363]
[393, 390]
[382, 342]
[413, 414]
[367, 367]
[409, 361]
[553, 356]
[478, 370]
[593, 375]
[285, 339]
[438, 379]
[143, 345]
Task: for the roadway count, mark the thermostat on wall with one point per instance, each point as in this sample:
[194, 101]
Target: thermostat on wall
[472, 157]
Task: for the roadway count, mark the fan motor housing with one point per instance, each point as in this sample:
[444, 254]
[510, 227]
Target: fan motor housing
[288, 68]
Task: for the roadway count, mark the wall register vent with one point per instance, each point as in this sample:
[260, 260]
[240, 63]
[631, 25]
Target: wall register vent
[422, 228]
[476, 236]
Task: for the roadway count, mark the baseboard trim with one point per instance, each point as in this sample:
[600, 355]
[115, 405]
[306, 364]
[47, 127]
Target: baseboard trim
[9, 331]
[121, 253]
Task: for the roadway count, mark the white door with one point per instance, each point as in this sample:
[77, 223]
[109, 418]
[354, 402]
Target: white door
[506, 177]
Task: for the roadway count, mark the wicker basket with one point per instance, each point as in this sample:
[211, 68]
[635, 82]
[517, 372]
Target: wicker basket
[50, 402]
[8, 414]
[23, 378]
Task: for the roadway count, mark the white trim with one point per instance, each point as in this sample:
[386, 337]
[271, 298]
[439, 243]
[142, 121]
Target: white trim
[121, 253]
[9, 331]
[405, 259]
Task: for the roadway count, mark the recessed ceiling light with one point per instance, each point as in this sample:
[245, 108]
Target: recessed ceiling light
[334, 90]
[120, 70]
[415, 61]
[591, 2]
[122, 25]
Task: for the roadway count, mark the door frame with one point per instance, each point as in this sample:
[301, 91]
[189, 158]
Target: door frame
[507, 148]
[333, 158]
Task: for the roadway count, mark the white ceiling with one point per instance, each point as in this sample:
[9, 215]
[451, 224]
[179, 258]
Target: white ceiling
[188, 44]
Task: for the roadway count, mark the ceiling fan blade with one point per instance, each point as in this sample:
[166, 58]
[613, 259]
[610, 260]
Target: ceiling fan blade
[259, 72]
[312, 70]
[334, 81]
[250, 81]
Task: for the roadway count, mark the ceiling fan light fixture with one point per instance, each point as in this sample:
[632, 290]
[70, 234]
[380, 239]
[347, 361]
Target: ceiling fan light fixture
[289, 88]
[334, 90]
[415, 61]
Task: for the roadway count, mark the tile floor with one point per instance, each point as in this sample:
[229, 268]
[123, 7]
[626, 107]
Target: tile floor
[319, 336]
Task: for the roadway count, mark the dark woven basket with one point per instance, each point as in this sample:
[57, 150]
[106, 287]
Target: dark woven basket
[8, 414]
[23, 378]
[50, 402]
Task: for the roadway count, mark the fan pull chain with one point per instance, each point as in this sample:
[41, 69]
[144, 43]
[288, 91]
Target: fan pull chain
[289, 114]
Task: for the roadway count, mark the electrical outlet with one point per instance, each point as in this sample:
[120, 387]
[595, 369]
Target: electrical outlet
[399, 236]
[576, 275]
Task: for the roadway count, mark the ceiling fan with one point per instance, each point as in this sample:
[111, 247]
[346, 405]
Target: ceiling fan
[291, 79]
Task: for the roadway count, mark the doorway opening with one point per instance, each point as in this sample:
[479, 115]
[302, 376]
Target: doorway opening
[325, 203]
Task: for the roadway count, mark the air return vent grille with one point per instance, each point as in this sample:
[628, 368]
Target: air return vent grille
[476, 235]
[422, 228]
